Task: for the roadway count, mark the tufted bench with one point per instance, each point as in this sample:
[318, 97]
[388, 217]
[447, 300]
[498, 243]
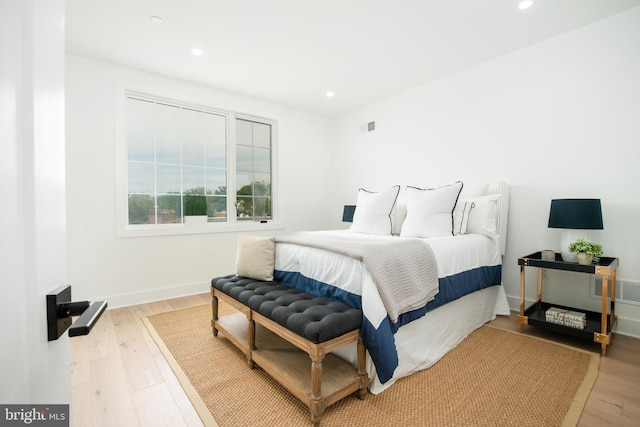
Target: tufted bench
[315, 325]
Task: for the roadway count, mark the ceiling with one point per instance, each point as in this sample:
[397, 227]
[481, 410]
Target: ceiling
[292, 52]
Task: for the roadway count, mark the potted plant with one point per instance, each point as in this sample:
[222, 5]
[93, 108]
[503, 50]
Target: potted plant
[585, 250]
[195, 210]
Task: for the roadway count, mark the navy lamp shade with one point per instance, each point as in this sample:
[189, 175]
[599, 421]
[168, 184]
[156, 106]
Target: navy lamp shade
[347, 213]
[576, 214]
[571, 215]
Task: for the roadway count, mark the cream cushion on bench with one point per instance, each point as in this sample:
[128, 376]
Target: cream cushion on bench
[255, 257]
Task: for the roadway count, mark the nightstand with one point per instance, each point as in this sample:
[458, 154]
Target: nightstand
[598, 325]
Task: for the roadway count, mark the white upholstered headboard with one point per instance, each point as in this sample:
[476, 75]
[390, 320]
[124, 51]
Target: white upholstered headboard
[501, 188]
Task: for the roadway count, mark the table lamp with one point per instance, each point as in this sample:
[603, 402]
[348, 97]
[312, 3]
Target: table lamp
[347, 213]
[574, 216]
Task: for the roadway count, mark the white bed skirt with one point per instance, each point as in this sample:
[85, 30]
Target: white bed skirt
[423, 342]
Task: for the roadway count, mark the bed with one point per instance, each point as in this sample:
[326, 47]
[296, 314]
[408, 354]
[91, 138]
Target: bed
[463, 229]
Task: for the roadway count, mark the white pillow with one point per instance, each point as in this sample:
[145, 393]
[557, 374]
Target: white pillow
[430, 212]
[461, 216]
[474, 190]
[464, 205]
[373, 211]
[397, 216]
[255, 257]
[483, 218]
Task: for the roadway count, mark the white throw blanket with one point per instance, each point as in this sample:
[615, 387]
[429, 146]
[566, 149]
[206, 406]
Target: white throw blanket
[404, 270]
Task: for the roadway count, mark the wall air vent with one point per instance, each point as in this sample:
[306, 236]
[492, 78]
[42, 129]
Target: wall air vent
[368, 127]
[627, 291]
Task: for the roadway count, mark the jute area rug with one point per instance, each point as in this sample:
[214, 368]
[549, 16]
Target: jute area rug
[493, 378]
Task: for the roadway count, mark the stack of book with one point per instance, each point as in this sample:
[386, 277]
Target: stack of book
[564, 317]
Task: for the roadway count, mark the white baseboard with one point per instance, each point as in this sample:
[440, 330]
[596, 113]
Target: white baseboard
[159, 294]
[624, 325]
[628, 327]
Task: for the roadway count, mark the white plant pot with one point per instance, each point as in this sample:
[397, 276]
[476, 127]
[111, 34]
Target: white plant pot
[195, 220]
[584, 259]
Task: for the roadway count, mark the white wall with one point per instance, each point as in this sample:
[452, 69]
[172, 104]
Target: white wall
[136, 269]
[558, 119]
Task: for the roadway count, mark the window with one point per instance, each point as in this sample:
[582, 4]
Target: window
[253, 170]
[177, 152]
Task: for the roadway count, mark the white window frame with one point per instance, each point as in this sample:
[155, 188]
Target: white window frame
[124, 229]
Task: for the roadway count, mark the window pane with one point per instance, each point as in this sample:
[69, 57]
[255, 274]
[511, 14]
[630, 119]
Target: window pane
[261, 135]
[217, 156]
[217, 208]
[243, 183]
[141, 209]
[244, 208]
[261, 160]
[268, 213]
[244, 132]
[168, 179]
[167, 134]
[193, 180]
[262, 208]
[262, 185]
[216, 181]
[193, 138]
[140, 178]
[244, 160]
[216, 140]
[169, 209]
[140, 144]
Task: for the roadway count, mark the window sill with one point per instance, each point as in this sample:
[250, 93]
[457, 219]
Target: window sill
[210, 228]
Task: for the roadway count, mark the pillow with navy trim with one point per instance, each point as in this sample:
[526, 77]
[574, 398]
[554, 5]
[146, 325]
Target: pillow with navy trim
[373, 211]
[255, 257]
[430, 211]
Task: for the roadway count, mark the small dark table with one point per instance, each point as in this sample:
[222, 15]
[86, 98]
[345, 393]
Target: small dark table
[599, 325]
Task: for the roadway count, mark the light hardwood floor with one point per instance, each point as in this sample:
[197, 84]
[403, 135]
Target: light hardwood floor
[119, 377]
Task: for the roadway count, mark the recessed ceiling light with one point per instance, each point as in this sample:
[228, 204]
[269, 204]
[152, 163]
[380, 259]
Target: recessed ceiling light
[156, 19]
[196, 51]
[525, 4]
[329, 94]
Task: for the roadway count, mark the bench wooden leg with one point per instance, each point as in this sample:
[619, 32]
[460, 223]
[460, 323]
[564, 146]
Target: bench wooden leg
[214, 313]
[316, 403]
[251, 338]
[362, 371]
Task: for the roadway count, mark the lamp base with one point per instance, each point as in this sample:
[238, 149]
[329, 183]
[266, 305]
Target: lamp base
[569, 236]
[569, 256]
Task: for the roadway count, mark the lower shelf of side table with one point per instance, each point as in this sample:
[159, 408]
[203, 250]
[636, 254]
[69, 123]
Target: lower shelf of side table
[536, 317]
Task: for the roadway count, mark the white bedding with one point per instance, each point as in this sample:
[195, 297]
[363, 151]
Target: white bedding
[453, 255]
[423, 341]
[403, 270]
